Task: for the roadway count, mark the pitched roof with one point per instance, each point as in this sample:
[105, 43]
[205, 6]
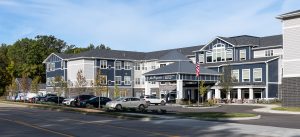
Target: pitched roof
[266, 41]
[174, 55]
[262, 59]
[288, 15]
[182, 67]
[179, 53]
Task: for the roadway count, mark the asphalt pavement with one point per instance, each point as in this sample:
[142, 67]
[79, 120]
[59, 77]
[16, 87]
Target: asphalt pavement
[22, 121]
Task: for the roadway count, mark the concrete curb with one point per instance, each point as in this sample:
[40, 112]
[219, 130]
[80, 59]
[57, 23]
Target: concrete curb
[201, 107]
[269, 110]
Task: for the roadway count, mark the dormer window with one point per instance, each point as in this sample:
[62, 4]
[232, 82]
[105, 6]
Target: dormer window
[243, 54]
[201, 58]
[229, 55]
[208, 56]
[269, 53]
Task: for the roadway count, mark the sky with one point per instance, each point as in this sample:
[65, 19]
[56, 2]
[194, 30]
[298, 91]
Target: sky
[140, 25]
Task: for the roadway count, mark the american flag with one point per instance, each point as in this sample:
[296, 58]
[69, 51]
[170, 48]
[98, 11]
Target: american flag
[197, 69]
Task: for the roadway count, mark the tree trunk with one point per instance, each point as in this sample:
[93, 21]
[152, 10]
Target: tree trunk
[202, 97]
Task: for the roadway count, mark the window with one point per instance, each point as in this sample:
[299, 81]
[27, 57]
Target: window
[137, 81]
[118, 65]
[127, 80]
[48, 81]
[144, 67]
[143, 81]
[162, 83]
[118, 80]
[62, 64]
[208, 56]
[162, 65]
[137, 66]
[173, 83]
[257, 74]
[243, 54]
[103, 79]
[103, 64]
[201, 58]
[48, 66]
[152, 67]
[268, 53]
[153, 82]
[229, 55]
[127, 65]
[246, 75]
[235, 75]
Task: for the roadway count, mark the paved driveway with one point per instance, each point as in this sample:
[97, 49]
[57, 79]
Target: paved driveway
[19, 121]
[267, 119]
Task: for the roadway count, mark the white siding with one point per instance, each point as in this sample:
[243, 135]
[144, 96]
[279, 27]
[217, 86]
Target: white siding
[291, 47]
[87, 67]
[261, 53]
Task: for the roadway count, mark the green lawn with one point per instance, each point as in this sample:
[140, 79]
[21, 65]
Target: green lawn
[293, 109]
[216, 115]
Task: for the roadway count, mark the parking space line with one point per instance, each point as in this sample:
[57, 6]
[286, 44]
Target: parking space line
[126, 128]
[36, 127]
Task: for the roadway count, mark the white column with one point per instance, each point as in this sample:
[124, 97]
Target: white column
[179, 84]
[250, 93]
[228, 95]
[209, 93]
[147, 88]
[217, 94]
[239, 92]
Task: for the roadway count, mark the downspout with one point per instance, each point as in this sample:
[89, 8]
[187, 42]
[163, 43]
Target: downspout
[267, 80]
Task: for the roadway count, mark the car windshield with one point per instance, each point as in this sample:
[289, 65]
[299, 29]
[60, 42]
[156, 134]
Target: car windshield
[119, 99]
[94, 98]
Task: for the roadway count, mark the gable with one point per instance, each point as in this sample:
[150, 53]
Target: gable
[52, 58]
[217, 40]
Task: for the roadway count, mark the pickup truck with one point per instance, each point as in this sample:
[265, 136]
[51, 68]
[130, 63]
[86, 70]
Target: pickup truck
[154, 100]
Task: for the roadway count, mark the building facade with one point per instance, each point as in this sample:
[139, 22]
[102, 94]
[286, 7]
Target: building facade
[291, 58]
[255, 64]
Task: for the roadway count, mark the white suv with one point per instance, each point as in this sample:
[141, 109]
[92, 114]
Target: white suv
[127, 102]
[154, 100]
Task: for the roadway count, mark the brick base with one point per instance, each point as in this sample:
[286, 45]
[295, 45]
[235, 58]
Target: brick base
[291, 92]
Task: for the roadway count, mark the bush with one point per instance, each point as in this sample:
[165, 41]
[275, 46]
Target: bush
[210, 102]
[269, 101]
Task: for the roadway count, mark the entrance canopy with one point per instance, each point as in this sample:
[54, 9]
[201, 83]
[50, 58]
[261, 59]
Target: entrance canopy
[182, 70]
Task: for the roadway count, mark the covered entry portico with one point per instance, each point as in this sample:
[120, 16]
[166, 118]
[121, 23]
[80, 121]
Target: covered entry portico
[241, 94]
[180, 78]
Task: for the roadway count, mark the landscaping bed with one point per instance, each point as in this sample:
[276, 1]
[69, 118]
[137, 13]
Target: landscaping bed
[291, 109]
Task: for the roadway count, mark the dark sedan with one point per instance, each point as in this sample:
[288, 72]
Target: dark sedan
[54, 99]
[94, 102]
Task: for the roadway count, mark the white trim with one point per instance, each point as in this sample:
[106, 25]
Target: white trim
[291, 75]
[212, 41]
[267, 80]
[290, 60]
[125, 80]
[292, 27]
[120, 80]
[248, 75]
[260, 74]
[272, 47]
[238, 75]
[244, 50]
[50, 56]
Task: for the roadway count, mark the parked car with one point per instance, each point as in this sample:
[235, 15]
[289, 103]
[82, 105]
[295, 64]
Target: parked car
[67, 101]
[127, 102]
[154, 100]
[42, 98]
[78, 99]
[54, 99]
[94, 102]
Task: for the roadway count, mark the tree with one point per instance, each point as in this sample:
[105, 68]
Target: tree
[202, 90]
[4, 74]
[35, 84]
[12, 88]
[101, 84]
[81, 81]
[62, 84]
[116, 91]
[25, 84]
[226, 80]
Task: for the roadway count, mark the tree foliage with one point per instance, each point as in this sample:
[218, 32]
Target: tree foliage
[26, 55]
[202, 90]
[226, 80]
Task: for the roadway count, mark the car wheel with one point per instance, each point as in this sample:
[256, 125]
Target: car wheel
[141, 107]
[162, 103]
[119, 107]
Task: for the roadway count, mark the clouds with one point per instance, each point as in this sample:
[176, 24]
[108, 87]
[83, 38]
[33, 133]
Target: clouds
[140, 25]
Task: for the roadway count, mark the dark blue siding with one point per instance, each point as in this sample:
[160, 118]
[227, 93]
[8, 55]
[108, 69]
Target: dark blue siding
[237, 52]
[273, 71]
[57, 64]
[273, 90]
[55, 73]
